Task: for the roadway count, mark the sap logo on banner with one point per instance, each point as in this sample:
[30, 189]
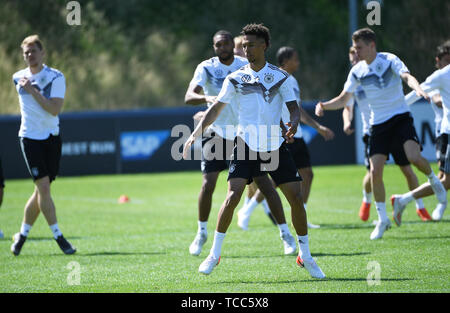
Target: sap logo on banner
[308, 133]
[141, 145]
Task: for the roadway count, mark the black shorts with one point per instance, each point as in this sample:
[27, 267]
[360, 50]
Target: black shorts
[2, 179]
[388, 137]
[248, 164]
[42, 156]
[444, 165]
[216, 153]
[300, 153]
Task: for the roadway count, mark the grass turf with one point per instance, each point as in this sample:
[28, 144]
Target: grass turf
[142, 246]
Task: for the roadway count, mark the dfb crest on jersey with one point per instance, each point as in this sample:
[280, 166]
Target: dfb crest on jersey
[378, 67]
[218, 72]
[246, 78]
[268, 78]
[232, 168]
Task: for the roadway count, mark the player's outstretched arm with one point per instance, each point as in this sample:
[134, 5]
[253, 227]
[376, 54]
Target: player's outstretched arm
[325, 132]
[334, 104]
[412, 82]
[194, 96]
[210, 116]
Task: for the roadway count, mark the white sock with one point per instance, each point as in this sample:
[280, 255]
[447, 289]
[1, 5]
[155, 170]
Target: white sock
[304, 205]
[284, 229]
[25, 229]
[419, 204]
[202, 227]
[246, 200]
[367, 196]
[250, 207]
[216, 248]
[55, 230]
[406, 198]
[265, 206]
[303, 247]
[381, 210]
[432, 176]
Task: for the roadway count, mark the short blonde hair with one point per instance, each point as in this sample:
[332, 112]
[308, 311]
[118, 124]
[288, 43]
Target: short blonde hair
[32, 39]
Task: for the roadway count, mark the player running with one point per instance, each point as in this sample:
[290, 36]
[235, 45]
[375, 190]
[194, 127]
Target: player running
[380, 76]
[259, 90]
[439, 80]
[399, 156]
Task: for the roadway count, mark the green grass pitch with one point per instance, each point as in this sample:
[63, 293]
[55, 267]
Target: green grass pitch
[142, 246]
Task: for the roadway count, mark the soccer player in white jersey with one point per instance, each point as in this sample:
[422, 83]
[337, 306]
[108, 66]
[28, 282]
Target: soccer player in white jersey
[439, 80]
[259, 90]
[209, 77]
[287, 59]
[380, 75]
[203, 88]
[41, 91]
[399, 156]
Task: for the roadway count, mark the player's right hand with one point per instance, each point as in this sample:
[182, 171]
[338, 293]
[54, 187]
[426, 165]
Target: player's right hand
[187, 147]
[319, 109]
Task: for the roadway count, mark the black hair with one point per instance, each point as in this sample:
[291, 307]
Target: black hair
[284, 54]
[259, 30]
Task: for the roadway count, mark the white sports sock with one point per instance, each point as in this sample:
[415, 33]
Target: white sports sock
[432, 176]
[265, 206]
[250, 207]
[367, 196]
[406, 198]
[381, 210]
[55, 230]
[419, 204]
[246, 200]
[284, 229]
[303, 247]
[202, 227]
[216, 248]
[25, 229]
[304, 205]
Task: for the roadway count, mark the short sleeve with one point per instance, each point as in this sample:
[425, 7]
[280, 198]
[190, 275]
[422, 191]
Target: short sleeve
[432, 82]
[287, 91]
[58, 87]
[227, 92]
[199, 78]
[398, 66]
[351, 84]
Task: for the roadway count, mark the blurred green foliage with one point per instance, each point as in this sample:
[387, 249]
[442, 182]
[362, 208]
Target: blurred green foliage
[140, 53]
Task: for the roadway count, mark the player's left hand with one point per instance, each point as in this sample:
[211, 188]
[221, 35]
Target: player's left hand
[291, 131]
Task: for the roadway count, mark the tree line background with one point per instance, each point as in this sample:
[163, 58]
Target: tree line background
[138, 53]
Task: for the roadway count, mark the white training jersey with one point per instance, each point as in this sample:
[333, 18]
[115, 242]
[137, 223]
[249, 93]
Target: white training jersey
[210, 75]
[382, 85]
[285, 114]
[439, 80]
[364, 108]
[36, 123]
[259, 98]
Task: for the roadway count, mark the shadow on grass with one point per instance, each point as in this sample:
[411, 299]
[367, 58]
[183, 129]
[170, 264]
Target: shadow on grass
[50, 238]
[293, 256]
[420, 238]
[346, 226]
[114, 253]
[312, 280]
[340, 254]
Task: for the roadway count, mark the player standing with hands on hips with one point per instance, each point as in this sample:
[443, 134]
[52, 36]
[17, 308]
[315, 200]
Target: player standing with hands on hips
[41, 91]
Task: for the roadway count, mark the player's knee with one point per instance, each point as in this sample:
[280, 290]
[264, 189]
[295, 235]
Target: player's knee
[208, 187]
[233, 199]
